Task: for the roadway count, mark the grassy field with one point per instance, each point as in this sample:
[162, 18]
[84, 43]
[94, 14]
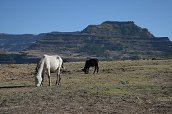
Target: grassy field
[120, 87]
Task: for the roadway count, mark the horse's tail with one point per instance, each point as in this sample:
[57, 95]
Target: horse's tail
[63, 65]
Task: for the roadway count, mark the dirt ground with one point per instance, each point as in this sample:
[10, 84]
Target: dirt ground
[121, 87]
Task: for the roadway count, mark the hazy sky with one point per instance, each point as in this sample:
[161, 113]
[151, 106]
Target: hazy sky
[39, 16]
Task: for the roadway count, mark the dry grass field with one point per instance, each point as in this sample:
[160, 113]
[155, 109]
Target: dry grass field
[121, 87]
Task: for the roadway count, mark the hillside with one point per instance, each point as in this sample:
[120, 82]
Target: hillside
[109, 40]
[17, 42]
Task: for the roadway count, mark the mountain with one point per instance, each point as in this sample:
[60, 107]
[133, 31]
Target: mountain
[109, 40]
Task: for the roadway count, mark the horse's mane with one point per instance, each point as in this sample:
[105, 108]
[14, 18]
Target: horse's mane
[38, 65]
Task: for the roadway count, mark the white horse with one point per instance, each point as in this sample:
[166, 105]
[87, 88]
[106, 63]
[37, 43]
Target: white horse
[51, 63]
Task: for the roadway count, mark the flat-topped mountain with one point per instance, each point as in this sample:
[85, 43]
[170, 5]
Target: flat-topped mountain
[109, 40]
[118, 29]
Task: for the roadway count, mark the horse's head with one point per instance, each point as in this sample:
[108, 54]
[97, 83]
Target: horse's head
[38, 80]
[85, 70]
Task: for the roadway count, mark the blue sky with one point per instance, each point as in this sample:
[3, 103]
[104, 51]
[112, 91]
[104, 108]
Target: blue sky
[42, 16]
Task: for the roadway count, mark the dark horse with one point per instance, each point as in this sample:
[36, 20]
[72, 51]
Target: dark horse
[91, 63]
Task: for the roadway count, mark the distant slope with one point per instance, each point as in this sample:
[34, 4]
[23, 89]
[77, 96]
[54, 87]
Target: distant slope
[16, 43]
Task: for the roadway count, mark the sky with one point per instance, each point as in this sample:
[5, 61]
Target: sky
[42, 16]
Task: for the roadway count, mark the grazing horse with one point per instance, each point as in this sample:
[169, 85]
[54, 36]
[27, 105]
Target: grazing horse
[91, 63]
[51, 63]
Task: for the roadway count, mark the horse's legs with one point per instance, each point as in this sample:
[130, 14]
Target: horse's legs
[49, 77]
[58, 77]
[87, 70]
[95, 69]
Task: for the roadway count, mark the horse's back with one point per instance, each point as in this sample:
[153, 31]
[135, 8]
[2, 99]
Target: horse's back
[53, 61]
[91, 62]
